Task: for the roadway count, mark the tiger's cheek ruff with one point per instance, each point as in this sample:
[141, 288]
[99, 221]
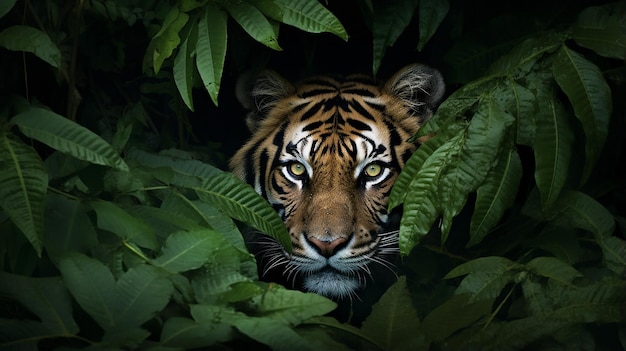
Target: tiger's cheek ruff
[325, 156]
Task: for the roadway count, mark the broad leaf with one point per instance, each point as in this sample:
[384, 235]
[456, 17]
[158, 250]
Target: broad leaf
[590, 95]
[116, 220]
[29, 39]
[521, 103]
[291, 307]
[390, 20]
[66, 136]
[142, 292]
[478, 154]
[92, 285]
[211, 49]
[553, 143]
[431, 14]
[421, 204]
[495, 195]
[167, 39]
[23, 185]
[394, 323]
[184, 332]
[6, 6]
[602, 29]
[47, 298]
[307, 15]
[253, 22]
[554, 269]
[184, 251]
[184, 68]
[456, 313]
[72, 231]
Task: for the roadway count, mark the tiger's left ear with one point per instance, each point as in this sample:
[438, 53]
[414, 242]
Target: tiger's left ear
[420, 87]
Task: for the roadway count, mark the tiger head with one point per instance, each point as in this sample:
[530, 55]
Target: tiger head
[325, 155]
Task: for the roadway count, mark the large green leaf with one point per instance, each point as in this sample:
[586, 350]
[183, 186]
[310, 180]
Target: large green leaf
[456, 313]
[116, 220]
[47, 298]
[240, 201]
[602, 29]
[211, 49]
[23, 184]
[29, 39]
[394, 323]
[431, 14]
[486, 277]
[421, 207]
[184, 332]
[495, 195]
[390, 20]
[92, 285]
[253, 22]
[184, 250]
[553, 143]
[307, 15]
[142, 292]
[71, 232]
[6, 6]
[184, 69]
[520, 102]
[590, 95]
[66, 136]
[291, 307]
[167, 38]
[478, 154]
[554, 269]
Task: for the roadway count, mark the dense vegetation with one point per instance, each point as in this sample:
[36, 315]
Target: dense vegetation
[120, 228]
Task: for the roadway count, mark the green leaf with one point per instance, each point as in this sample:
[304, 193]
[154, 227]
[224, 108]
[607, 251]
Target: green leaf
[520, 102]
[6, 6]
[92, 285]
[72, 230]
[47, 298]
[602, 29]
[478, 154]
[553, 150]
[290, 306]
[590, 95]
[431, 14]
[211, 49]
[23, 185]
[486, 277]
[455, 314]
[253, 22]
[393, 322]
[167, 39]
[184, 67]
[390, 20]
[495, 195]
[142, 292]
[29, 39]
[189, 334]
[240, 201]
[66, 136]
[184, 251]
[307, 15]
[554, 269]
[422, 209]
[119, 222]
[22, 334]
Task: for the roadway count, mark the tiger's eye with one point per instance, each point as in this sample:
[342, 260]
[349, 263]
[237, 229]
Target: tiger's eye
[373, 170]
[297, 169]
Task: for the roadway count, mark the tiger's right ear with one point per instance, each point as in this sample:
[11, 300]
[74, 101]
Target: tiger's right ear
[259, 93]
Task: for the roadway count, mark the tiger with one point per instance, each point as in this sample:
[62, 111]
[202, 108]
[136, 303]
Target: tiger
[325, 153]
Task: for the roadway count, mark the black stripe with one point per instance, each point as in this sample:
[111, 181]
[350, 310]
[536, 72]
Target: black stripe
[356, 124]
[312, 111]
[361, 110]
[263, 164]
[358, 91]
[312, 126]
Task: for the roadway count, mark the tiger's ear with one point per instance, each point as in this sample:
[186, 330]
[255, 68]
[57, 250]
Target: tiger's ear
[259, 94]
[420, 87]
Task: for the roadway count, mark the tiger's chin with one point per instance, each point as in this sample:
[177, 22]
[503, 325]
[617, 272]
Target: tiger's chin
[331, 283]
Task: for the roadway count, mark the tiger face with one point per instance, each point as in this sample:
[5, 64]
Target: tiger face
[325, 155]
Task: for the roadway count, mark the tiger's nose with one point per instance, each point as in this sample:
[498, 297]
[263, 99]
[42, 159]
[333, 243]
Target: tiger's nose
[327, 247]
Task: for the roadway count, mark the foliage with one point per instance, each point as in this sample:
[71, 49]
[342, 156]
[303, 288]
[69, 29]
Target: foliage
[118, 233]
